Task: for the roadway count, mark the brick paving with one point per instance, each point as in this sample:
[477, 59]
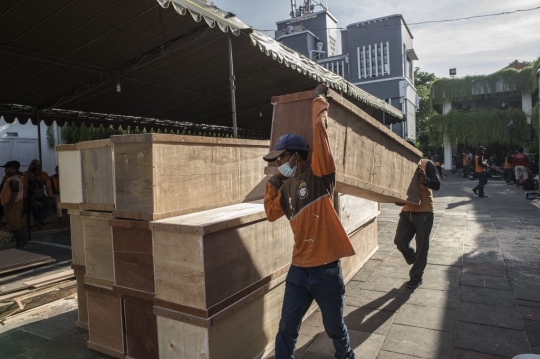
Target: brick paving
[481, 293]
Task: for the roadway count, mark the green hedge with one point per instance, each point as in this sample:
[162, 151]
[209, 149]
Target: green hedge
[460, 89]
[477, 127]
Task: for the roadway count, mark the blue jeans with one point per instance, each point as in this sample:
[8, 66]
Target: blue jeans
[324, 284]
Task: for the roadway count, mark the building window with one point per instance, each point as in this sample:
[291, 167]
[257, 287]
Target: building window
[373, 60]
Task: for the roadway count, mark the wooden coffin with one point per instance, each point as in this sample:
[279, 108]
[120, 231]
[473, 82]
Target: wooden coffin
[105, 321]
[133, 258]
[97, 163]
[98, 248]
[141, 328]
[76, 224]
[159, 176]
[69, 165]
[372, 161]
[206, 260]
[246, 329]
[82, 301]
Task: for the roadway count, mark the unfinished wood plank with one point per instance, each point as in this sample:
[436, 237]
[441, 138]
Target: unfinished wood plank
[150, 175]
[105, 321]
[355, 211]
[26, 266]
[14, 258]
[365, 244]
[69, 163]
[372, 162]
[98, 248]
[49, 278]
[82, 301]
[35, 298]
[141, 329]
[97, 162]
[76, 224]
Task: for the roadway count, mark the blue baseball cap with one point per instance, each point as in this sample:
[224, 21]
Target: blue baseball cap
[288, 142]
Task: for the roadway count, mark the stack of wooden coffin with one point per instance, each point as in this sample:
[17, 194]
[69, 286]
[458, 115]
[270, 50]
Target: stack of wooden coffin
[175, 256]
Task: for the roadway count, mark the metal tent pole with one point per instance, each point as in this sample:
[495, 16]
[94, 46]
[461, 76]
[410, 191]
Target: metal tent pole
[233, 87]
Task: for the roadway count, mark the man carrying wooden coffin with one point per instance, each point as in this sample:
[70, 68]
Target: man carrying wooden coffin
[304, 193]
[417, 221]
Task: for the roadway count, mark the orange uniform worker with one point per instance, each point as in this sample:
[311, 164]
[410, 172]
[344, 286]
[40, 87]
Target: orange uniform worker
[11, 199]
[303, 192]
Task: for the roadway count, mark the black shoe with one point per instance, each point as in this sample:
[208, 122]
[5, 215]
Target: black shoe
[413, 283]
[475, 191]
[483, 196]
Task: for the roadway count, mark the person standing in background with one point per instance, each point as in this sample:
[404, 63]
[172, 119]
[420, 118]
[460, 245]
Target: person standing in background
[521, 161]
[480, 170]
[509, 168]
[38, 191]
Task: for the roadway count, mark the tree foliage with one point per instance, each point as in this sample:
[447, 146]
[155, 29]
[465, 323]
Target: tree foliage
[422, 82]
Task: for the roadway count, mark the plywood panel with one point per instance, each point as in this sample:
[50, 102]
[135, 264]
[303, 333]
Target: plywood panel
[69, 164]
[105, 320]
[133, 258]
[98, 248]
[77, 238]
[247, 333]
[134, 177]
[141, 329]
[355, 211]
[97, 174]
[365, 244]
[179, 268]
[372, 162]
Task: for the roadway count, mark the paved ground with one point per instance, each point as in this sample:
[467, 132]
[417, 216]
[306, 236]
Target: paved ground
[481, 293]
[480, 298]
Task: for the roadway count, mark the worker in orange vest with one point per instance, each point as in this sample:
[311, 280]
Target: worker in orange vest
[480, 170]
[509, 168]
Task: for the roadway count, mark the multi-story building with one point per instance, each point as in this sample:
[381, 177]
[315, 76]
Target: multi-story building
[376, 55]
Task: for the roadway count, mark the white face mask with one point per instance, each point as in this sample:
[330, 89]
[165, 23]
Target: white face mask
[286, 169]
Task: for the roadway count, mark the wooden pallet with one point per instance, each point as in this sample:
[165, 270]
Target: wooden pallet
[76, 224]
[141, 328]
[372, 161]
[159, 176]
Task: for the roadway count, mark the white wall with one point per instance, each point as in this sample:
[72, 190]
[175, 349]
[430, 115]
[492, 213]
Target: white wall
[24, 146]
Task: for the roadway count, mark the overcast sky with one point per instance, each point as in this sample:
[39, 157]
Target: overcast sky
[475, 47]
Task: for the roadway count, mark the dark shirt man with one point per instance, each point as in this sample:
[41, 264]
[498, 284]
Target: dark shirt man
[417, 221]
[38, 192]
[480, 169]
[304, 193]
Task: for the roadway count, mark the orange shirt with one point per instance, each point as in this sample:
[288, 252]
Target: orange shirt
[426, 197]
[41, 177]
[307, 201]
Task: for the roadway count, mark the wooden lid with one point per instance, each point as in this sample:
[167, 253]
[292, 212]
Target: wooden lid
[165, 138]
[95, 144]
[212, 220]
[72, 147]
